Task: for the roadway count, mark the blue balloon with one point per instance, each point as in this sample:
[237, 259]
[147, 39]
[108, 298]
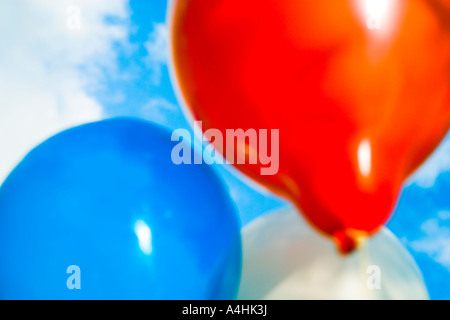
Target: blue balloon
[100, 211]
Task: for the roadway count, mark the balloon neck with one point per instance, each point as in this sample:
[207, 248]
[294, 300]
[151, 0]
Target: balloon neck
[349, 240]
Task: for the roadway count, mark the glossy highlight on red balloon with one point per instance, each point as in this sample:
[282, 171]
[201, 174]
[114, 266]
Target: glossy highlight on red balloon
[359, 90]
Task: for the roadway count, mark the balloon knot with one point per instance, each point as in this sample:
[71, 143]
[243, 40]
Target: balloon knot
[348, 240]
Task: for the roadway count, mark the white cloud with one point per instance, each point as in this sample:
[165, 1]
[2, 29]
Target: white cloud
[159, 110]
[436, 164]
[49, 65]
[444, 215]
[157, 50]
[436, 239]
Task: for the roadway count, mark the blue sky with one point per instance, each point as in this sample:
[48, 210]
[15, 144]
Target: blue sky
[54, 77]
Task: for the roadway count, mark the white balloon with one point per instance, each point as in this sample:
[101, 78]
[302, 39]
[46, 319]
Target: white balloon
[284, 258]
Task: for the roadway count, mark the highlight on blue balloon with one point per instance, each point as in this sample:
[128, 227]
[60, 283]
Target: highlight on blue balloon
[101, 212]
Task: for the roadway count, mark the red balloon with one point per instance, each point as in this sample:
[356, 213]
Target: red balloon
[359, 90]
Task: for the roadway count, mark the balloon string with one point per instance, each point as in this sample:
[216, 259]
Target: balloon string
[364, 261]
